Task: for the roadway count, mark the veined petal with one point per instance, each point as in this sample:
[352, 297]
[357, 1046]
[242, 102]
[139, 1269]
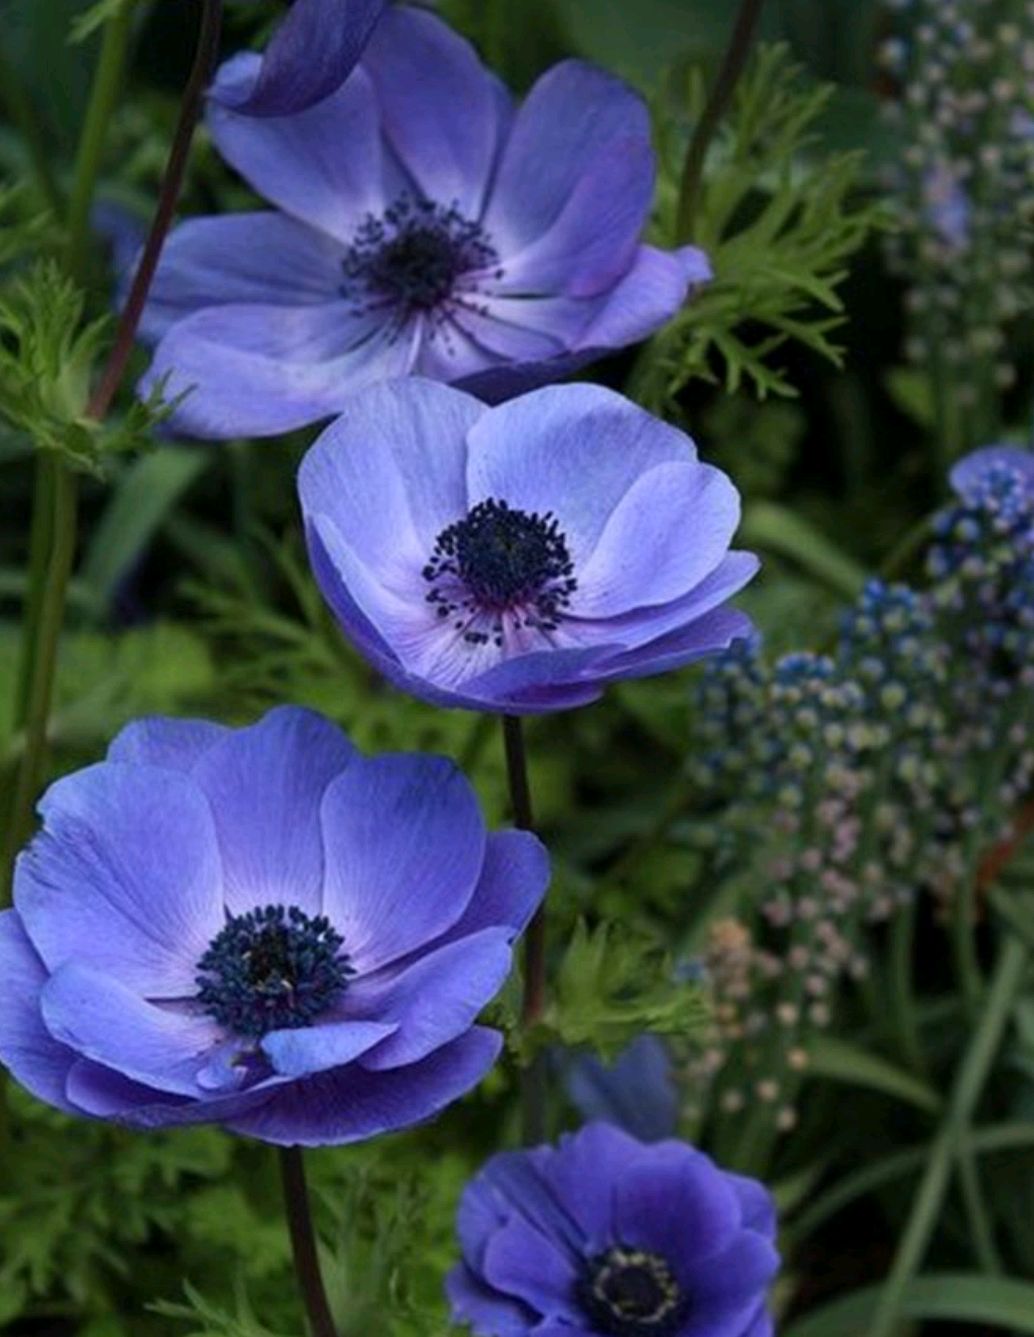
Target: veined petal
[27, 1049]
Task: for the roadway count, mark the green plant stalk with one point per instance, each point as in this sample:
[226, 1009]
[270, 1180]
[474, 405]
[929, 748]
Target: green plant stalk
[39, 551]
[967, 1087]
[981, 1225]
[23, 116]
[63, 488]
[104, 95]
[901, 994]
[533, 1077]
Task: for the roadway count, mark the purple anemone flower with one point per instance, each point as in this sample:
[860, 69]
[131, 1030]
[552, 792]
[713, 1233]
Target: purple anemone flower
[311, 55]
[518, 558]
[422, 225]
[260, 928]
[604, 1236]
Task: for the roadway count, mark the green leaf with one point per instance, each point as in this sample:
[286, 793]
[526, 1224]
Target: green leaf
[769, 525]
[145, 495]
[951, 1297]
[839, 1061]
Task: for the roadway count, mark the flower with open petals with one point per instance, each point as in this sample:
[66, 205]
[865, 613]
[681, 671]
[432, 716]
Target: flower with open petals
[604, 1236]
[518, 558]
[421, 225]
[260, 928]
[311, 54]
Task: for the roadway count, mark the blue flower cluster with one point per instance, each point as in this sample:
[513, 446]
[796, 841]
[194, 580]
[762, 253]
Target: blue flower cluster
[847, 783]
[964, 75]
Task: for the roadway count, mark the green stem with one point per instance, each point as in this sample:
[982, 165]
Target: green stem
[981, 1227]
[303, 1243]
[533, 1077]
[732, 67]
[104, 94]
[62, 489]
[901, 994]
[23, 115]
[969, 1083]
[39, 553]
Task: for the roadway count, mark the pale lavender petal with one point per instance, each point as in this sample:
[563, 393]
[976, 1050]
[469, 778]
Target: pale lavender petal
[324, 166]
[538, 452]
[390, 473]
[513, 882]
[443, 112]
[124, 878]
[671, 529]
[266, 259]
[308, 1049]
[172, 744]
[405, 843]
[713, 632]
[265, 785]
[27, 1049]
[574, 116]
[102, 1020]
[264, 370]
[434, 999]
[650, 293]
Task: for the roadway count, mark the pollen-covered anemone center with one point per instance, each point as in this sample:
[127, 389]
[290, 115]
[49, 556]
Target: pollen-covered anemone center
[271, 969]
[631, 1293]
[500, 561]
[418, 256]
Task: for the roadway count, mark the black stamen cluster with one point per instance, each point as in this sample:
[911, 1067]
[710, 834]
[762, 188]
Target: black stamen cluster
[412, 257]
[271, 969]
[631, 1293]
[501, 560]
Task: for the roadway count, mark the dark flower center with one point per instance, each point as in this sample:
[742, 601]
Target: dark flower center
[630, 1293]
[499, 560]
[413, 258]
[272, 969]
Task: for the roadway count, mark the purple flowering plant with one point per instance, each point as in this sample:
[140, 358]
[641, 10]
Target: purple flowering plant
[421, 224]
[606, 1236]
[260, 928]
[523, 302]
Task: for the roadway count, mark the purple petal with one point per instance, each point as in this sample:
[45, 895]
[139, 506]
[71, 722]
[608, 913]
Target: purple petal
[265, 785]
[324, 166]
[390, 473]
[310, 55]
[756, 1204]
[677, 1203]
[513, 882]
[584, 1174]
[125, 877]
[433, 1000]
[95, 1090]
[264, 370]
[27, 1049]
[444, 113]
[261, 258]
[539, 453]
[487, 1311]
[713, 632]
[405, 843]
[671, 529]
[644, 627]
[726, 1288]
[309, 1049]
[173, 744]
[972, 467]
[594, 239]
[102, 1020]
[574, 118]
[650, 293]
[636, 1092]
[350, 1104]
[522, 1262]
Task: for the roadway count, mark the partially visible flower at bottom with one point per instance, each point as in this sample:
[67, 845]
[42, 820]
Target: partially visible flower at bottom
[605, 1237]
[636, 1091]
[260, 928]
